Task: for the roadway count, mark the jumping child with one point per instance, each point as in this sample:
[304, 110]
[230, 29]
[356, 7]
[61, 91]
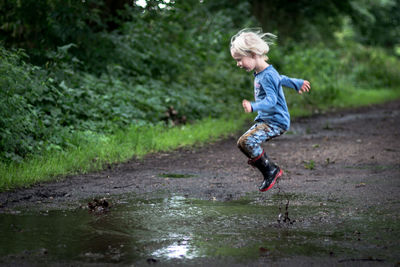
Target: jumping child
[249, 49]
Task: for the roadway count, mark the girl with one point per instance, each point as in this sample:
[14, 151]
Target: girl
[250, 49]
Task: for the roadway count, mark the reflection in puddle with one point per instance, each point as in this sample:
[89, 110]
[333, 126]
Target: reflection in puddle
[180, 250]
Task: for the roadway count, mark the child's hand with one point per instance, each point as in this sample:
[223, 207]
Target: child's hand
[247, 106]
[305, 87]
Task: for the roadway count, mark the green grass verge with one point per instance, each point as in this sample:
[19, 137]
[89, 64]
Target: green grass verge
[97, 151]
[363, 97]
[351, 98]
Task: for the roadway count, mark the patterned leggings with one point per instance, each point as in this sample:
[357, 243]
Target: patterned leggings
[250, 142]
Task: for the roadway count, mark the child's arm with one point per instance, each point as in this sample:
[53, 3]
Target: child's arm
[299, 85]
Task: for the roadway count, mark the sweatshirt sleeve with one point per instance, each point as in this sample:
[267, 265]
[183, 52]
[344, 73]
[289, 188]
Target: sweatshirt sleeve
[291, 82]
[270, 85]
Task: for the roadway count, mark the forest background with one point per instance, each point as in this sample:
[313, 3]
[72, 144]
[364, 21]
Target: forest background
[88, 83]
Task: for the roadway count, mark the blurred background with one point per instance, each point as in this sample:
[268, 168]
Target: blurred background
[72, 69]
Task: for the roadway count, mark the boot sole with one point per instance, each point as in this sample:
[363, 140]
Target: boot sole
[280, 173]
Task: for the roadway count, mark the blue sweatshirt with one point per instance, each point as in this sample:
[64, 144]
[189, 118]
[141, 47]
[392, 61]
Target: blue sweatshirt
[270, 101]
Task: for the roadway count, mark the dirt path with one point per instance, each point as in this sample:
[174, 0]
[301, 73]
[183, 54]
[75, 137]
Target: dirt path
[352, 154]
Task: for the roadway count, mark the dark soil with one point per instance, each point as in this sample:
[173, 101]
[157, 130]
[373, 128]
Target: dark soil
[344, 155]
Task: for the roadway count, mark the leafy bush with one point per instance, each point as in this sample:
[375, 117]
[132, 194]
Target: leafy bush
[171, 67]
[372, 67]
[53, 23]
[17, 117]
[334, 71]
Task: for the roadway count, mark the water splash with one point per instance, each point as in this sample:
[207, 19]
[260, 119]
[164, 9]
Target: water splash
[282, 195]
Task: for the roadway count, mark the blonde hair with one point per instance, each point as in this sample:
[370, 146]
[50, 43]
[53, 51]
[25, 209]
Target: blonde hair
[248, 41]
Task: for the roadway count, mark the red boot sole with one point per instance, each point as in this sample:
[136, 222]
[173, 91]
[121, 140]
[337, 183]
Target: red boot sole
[280, 173]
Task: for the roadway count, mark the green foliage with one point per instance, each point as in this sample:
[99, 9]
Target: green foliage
[160, 61]
[372, 67]
[91, 75]
[302, 20]
[376, 22]
[38, 26]
[334, 72]
[18, 119]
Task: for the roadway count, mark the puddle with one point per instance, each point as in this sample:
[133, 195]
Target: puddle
[135, 231]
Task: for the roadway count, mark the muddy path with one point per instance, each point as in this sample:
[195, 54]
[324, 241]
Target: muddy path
[347, 160]
[351, 154]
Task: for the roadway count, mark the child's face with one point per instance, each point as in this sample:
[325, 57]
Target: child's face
[244, 62]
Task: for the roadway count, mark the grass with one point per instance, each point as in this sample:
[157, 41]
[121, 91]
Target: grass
[363, 97]
[310, 165]
[99, 150]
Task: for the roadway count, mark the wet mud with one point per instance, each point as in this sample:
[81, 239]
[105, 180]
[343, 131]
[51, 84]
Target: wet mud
[337, 203]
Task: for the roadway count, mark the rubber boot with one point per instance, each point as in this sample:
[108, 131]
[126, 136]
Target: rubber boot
[270, 171]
